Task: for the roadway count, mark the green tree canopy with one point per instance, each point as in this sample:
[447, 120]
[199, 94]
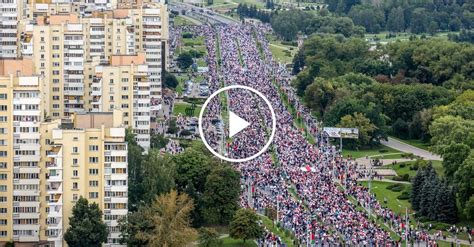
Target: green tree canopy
[86, 227]
[221, 195]
[184, 61]
[245, 225]
[209, 237]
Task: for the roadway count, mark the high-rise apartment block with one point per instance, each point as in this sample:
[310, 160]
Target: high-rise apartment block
[83, 156]
[73, 76]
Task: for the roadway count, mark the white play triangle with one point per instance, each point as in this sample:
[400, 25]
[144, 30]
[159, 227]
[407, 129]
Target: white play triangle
[236, 124]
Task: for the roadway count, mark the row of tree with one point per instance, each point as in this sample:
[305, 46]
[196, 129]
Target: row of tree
[400, 16]
[287, 24]
[433, 61]
[251, 11]
[433, 198]
[452, 131]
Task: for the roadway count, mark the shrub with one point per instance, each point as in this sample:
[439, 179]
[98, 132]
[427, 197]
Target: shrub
[405, 195]
[402, 165]
[187, 35]
[396, 187]
[383, 150]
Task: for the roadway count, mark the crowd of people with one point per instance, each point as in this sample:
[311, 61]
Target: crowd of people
[309, 185]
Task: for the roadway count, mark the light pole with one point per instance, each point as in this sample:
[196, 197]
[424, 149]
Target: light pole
[370, 185]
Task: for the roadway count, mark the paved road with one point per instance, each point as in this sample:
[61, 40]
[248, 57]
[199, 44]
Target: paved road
[404, 147]
[202, 14]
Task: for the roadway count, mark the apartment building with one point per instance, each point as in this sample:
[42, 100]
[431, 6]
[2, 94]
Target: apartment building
[58, 52]
[10, 12]
[123, 84]
[20, 118]
[85, 156]
[153, 30]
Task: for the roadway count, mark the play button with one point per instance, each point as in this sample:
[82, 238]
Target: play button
[236, 124]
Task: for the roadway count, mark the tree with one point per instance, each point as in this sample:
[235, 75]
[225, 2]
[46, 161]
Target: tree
[221, 195]
[469, 209]
[451, 129]
[453, 156]
[209, 237]
[170, 80]
[358, 120]
[158, 141]
[170, 214]
[135, 170]
[184, 61]
[320, 95]
[134, 225]
[396, 20]
[245, 225]
[86, 227]
[464, 179]
[192, 166]
[158, 176]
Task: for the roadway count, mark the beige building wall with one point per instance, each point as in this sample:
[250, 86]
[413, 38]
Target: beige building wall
[89, 155]
[20, 115]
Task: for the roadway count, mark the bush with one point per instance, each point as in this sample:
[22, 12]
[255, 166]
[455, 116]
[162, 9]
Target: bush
[185, 132]
[405, 195]
[383, 150]
[396, 187]
[402, 165]
[187, 35]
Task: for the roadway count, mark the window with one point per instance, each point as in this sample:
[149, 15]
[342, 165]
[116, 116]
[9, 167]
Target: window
[93, 159]
[75, 197]
[3, 165]
[3, 176]
[94, 183]
[75, 185]
[75, 173]
[93, 148]
[75, 149]
[93, 195]
[93, 171]
[3, 210]
[3, 222]
[74, 162]
[3, 199]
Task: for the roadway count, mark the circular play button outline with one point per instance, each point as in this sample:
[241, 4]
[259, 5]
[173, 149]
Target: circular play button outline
[204, 106]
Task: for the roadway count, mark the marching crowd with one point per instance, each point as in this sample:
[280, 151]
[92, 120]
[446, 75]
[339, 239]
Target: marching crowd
[309, 185]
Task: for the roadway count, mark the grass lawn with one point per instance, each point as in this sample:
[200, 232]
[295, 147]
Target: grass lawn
[230, 242]
[181, 21]
[414, 142]
[404, 168]
[382, 36]
[201, 63]
[179, 108]
[181, 79]
[380, 190]
[380, 150]
[281, 52]
[199, 40]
